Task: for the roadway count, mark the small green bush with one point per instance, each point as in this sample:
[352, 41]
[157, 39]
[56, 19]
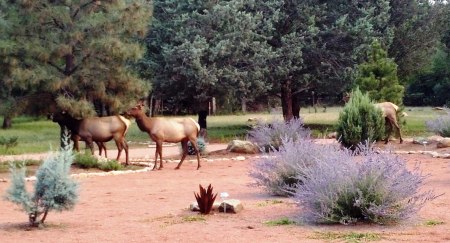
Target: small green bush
[86, 161]
[359, 121]
[110, 165]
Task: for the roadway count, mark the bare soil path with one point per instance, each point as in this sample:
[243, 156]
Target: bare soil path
[153, 207]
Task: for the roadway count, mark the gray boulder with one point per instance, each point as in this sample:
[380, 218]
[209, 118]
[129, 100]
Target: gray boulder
[444, 143]
[231, 206]
[240, 146]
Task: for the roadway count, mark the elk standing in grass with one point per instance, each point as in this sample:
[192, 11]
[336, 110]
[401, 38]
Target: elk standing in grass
[96, 129]
[172, 130]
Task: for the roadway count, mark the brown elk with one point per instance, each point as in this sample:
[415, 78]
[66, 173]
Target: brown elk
[389, 111]
[172, 130]
[96, 129]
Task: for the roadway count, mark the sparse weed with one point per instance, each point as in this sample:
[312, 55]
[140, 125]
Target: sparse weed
[347, 237]
[433, 222]
[278, 222]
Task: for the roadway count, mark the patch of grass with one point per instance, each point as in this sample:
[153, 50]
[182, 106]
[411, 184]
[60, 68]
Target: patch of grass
[432, 222]
[4, 166]
[269, 202]
[347, 237]
[194, 218]
[278, 222]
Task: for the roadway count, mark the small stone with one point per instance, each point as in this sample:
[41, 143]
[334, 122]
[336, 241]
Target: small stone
[231, 206]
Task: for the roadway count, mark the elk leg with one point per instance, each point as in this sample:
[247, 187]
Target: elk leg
[156, 157]
[119, 145]
[184, 147]
[159, 150]
[125, 146]
[398, 129]
[197, 151]
[389, 130]
[90, 144]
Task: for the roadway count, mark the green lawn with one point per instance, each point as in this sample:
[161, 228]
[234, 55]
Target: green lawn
[40, 135]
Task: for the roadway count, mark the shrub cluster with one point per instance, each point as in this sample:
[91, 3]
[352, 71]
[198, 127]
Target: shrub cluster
[87, 161]
[359, 121]
[268, 136]
[335, 185]
[440, 125]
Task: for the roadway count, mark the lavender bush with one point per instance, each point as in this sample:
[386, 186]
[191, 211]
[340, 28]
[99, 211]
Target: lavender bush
[278, 172]
[440, 125]
[268, 136]
[379, 188]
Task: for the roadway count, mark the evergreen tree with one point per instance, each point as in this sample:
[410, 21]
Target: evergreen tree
[53, 190]
[80, 51]
[237, 49]
[360, 121]
[378, 77]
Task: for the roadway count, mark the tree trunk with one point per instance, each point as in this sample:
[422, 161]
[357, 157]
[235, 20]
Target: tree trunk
[286, 100]
[202, 122]
[64, 137]
[7, 122]
[296, 106]
[244, 105]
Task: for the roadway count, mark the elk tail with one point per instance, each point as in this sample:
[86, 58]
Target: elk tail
[126, 122]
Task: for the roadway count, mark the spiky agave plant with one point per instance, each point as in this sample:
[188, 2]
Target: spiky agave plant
[205, 199]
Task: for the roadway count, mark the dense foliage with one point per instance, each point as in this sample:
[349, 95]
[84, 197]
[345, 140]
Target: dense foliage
[359, 121]
[53, 190]
[78, 51]
[378, 77]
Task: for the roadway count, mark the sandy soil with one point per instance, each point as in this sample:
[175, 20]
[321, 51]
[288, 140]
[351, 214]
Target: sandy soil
[153, 207]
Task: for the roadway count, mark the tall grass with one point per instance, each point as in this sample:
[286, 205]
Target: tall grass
[39, 134]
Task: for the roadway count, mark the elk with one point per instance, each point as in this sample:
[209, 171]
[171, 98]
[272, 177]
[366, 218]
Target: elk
[389, 111]
[172, 130]
[390, 116]
[96, 129]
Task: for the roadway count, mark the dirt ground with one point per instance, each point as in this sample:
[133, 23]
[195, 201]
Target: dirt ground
[153, 207]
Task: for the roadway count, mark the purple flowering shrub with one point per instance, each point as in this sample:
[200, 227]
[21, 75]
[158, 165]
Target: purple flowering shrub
[440, 125]
[278, 171]
[374, 187]
[268, 136]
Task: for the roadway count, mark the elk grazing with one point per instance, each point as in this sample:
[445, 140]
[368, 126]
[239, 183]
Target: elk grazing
[172, 130]
[390, 115]
[389, 111]
[96, 129]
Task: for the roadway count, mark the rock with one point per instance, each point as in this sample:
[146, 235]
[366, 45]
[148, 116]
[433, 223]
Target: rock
[332, 135]
[444, 143]
[194, 206]
[421, 141]
[435, 138]
[240, 146]
[240, 158]
[231, 206]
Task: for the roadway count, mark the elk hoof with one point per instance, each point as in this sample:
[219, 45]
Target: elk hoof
[177, 168]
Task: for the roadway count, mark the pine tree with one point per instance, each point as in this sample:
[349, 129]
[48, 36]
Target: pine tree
[80, 51]
[360, 121]
[378, 77]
